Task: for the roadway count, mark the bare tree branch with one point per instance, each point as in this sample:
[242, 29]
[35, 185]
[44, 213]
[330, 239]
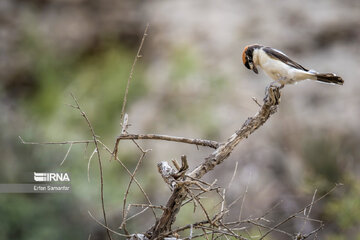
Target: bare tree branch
[179, 194]
[167, 173]
[268, 108]
[199, 142]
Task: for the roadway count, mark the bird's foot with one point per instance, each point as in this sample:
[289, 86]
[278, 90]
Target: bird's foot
[273, 85]
[272, 93]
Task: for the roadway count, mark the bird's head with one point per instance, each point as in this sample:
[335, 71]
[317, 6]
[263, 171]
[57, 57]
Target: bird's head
[248, 58]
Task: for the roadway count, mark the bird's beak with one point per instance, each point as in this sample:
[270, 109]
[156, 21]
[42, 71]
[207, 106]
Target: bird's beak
[253, 67]
[247, 65]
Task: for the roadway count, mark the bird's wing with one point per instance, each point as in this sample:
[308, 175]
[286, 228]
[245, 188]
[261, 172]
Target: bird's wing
[273, 53]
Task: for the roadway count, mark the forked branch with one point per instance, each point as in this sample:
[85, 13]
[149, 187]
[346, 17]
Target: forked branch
[163, 225]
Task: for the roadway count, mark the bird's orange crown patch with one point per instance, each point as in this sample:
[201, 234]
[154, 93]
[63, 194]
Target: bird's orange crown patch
[244, 54]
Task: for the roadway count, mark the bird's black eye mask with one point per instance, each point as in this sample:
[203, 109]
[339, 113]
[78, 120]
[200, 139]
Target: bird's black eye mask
[250, 63]
[247, 63]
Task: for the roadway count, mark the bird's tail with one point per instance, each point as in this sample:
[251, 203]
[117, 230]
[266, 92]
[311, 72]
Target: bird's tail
[329, 78]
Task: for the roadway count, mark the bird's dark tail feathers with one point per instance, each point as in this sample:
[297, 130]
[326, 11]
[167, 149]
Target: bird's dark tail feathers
[329, 78]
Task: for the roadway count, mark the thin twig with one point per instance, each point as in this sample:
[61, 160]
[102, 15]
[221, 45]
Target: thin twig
[233, 176]
[107, 228]
[223, 201]
[55, 143]
[124, 120]
[202, 207]
[205, 233]
[199, 142]
[309, 219]
[132, 72]
[99, 160]
[267, 227]
[243, 200]
[198, 235]
[198, 195]
[129, 173]
[88, 166]
[125, 124]
[124, 213]
[294, 215]
[308, 214]
[67, 153]
[314, 231]
[148, 206]
[256, 101]
[191, 231]
[137, 214]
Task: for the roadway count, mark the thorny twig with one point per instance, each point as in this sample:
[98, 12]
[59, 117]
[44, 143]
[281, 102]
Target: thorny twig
[124, 116]
[99, 160]
[132, 72]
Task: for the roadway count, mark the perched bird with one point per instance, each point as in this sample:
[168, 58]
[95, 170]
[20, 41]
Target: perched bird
[281, 68]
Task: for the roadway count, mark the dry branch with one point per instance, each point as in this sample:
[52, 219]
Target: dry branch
[179, 194]
[268, 108]
[167, 173]
[199, 142]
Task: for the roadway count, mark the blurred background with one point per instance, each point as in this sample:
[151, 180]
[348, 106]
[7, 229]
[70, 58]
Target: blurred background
[190, 82]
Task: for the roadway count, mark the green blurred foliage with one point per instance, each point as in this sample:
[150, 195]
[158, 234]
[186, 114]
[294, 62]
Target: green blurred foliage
[328, 157]
[101, 81]
[98, 80]
[322, 155]
[184, 63]
[182, 103]
[40, 217]
[345, 210]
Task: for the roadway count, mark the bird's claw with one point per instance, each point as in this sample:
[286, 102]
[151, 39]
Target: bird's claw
[272, 94]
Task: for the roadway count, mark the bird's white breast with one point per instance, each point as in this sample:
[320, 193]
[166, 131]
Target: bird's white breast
[278, 70]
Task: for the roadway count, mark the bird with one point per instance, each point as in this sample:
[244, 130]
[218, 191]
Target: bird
[281, 68]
